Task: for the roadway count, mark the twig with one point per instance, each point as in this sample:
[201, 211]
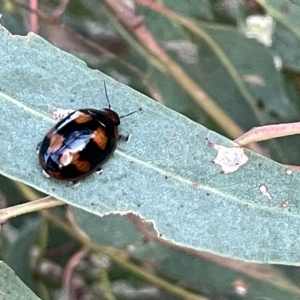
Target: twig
[21, 209]
[262, 133]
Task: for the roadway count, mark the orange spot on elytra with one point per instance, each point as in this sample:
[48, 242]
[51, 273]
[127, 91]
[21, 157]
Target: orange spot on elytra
[55, 142]
[83, 118]
[82, 165]
[68, 158]
[100, 137]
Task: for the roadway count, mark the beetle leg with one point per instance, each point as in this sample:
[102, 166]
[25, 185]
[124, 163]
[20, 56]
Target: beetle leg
[99, 171]
[46, 174]
[38, 146]
[74, 183]
[125, 138]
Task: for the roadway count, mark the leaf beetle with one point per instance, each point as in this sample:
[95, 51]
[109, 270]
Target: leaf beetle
[80, 143]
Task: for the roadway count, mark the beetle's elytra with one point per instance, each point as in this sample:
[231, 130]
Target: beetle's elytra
[80, 143]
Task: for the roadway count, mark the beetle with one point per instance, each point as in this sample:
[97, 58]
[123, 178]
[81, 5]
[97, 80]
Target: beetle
[80, 143]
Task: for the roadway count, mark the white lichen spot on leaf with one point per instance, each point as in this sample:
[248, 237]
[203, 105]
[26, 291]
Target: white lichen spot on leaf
[285, 203]
[230, 159]
[264, 191]
[260, 28]
[240, 287]
[254, 79]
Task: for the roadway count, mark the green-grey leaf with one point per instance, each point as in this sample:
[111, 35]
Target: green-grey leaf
[181, 265]
[295, 2]
[286, 37]
[17, 253]
[165, 173]
[11, 287]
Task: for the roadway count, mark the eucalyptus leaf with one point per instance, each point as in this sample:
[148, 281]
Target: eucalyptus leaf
[286, 37]
[11, 287]
[295, 2]
[17, 253]
[165, 173]
[197, 271]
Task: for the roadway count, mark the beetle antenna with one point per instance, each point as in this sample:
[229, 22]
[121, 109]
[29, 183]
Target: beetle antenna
[133, 112]
[109, 106]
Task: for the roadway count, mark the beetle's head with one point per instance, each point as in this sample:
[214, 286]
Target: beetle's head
[112, 115]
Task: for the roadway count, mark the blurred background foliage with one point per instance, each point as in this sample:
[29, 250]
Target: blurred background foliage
[209, 60]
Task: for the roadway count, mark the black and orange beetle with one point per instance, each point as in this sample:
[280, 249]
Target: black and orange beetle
[80, 143]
